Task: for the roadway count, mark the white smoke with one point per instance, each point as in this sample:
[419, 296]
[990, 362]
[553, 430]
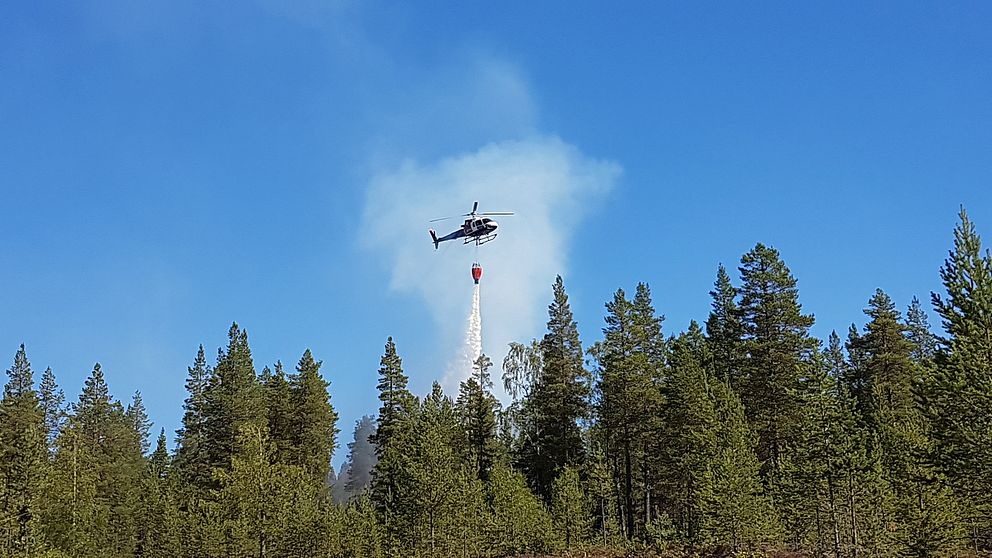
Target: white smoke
[546, 182]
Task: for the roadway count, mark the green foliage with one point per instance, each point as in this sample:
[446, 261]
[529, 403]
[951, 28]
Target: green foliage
[737, 441]
[570, 509]
[192, 460]
[23, 453]
[957, 397]
[556, 386]
[477, 409]
[233, 398]
[520, 522]
[313, 421]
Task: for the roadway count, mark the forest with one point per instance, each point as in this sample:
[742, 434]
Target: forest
[743, 435]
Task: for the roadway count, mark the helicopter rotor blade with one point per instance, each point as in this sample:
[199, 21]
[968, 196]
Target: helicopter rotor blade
[439, 219]
[475, 207]
[497, 213]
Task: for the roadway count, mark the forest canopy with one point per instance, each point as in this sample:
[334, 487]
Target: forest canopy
[743, 433]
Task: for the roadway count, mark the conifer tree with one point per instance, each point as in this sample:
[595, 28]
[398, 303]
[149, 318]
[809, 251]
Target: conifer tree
[138, 417]
[279, 406]
[736, 511]
[98, 474]
[477, 408]
[570, 508]
[689, 442]
[957, 399]
[159, 460]
[724, 330]
[397, 402]
[779, 351]
[630, 362]
[557, 400]
[52, 401]
[23, 456]
[313, 422]
[393, 440]
[923, 512]
[233, 399]
[919, 334]
[520, 522]
[191, 460]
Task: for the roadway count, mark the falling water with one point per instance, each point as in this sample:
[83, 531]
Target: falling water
[473, 337]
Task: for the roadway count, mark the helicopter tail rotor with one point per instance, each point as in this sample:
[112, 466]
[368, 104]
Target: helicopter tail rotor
[434, 237]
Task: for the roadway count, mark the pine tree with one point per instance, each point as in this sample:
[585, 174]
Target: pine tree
[23, 456]
[520, 522]
[264, 500]
[630, 367]
[779, 351]
[313, 422]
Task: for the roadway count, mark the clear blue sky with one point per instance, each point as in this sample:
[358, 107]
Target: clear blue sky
[167, 168]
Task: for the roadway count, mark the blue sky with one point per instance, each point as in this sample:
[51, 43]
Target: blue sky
[172, 167]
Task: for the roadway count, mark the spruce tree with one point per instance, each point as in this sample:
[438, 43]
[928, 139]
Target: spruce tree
[689, 439]
[52, 401]
[919, 334]
[97, 476]
[159, 460]
[233, 399]
[279, 405]
[397, 402]
[570, 508]
[393, 441]
[477, 409]
[23, 456]
[557, 400]
[192, 461]
[735, 510]
[957, 398]
[138, 417]
[313, 422]
[724, 329]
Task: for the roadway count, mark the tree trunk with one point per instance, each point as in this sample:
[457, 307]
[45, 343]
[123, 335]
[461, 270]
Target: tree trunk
[833, 514]
[628, 490]
[854, 516]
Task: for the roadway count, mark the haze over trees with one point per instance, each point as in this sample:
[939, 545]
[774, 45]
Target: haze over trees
[742, 433]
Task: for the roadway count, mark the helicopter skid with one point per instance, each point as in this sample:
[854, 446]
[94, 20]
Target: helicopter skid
[480, 240]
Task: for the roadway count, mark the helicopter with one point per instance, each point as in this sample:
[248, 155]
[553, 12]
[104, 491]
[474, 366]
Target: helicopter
[477, 228]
